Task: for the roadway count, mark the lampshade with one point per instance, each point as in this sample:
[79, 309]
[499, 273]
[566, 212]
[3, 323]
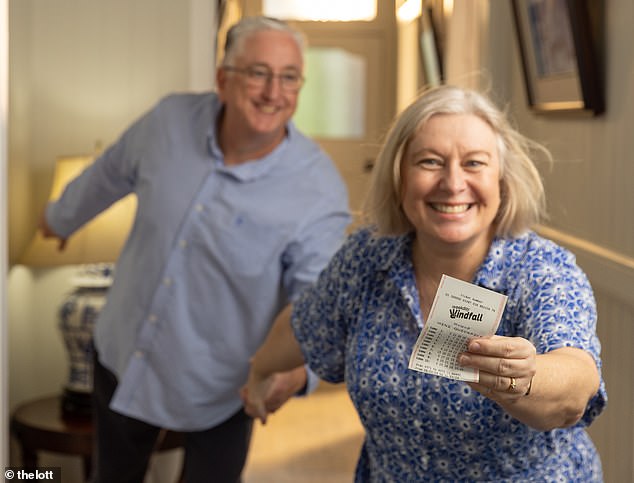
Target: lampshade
[99, 241]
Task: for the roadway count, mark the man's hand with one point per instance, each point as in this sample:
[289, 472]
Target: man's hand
[47, 232]
[284, 386]
[263, 396]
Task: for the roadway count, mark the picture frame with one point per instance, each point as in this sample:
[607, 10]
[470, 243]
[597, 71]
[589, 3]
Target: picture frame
[430, 49]
[560, 44]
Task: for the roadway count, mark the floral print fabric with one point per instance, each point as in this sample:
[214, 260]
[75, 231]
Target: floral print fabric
[359, 323]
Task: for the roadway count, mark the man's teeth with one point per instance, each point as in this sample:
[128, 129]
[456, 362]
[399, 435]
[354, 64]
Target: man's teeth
[450, 208]
[267, 109]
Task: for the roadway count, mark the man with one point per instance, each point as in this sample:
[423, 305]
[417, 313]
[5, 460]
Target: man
[237, 213]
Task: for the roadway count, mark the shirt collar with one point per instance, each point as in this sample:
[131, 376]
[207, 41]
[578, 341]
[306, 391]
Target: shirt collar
[249, 170]
[399, 257]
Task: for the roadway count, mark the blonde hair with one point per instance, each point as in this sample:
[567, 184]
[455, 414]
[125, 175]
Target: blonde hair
[523, 201]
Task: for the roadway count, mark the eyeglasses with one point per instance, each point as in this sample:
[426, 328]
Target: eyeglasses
[260, 76]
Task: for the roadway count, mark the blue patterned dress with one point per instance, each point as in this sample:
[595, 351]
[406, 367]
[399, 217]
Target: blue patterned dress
[359, 323]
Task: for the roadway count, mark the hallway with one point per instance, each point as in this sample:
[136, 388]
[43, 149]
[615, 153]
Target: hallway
[310, 440]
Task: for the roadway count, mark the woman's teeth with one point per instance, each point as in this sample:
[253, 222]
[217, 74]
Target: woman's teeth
[450, 208]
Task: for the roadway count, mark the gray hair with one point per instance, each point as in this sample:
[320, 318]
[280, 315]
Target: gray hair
[522, 192]
[240, 31]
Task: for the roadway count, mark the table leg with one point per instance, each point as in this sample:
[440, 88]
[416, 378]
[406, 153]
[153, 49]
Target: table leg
[29, 458]
[87, 464]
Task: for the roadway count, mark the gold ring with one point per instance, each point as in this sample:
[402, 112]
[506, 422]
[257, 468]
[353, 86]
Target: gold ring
[512, 385]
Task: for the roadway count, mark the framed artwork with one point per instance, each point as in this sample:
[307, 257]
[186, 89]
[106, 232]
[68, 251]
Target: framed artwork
[430, 48]
[560, 42]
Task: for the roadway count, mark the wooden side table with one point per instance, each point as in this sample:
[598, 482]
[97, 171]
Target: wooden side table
[38, 426]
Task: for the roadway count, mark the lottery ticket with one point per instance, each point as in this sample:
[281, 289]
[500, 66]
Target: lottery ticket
[459, 312]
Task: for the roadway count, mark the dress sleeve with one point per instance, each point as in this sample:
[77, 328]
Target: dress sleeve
[558, 309]
[320, 320]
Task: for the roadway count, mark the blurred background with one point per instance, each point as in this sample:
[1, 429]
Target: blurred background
[79, 71]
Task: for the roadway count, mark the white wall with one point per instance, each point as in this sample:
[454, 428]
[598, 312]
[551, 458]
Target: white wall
[4, 101]
[80, 72]
[590, 203]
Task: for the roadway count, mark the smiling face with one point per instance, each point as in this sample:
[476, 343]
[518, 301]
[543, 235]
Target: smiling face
[450, 188]
[260, 111]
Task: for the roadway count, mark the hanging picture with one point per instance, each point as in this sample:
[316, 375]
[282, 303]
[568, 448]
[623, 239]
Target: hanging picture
[559, 43]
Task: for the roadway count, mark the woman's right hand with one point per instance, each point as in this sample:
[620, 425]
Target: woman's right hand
[254, 394]
[276, 371]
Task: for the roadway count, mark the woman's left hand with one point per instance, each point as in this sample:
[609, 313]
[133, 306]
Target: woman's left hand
[560, 382]
[506, 364]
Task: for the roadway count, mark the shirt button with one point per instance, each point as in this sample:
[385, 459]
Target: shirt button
[182, 243]
[167, 281]
[139, 354]
[153, 319]
[199, 207]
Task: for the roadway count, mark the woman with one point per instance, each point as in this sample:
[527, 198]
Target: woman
[454, 192]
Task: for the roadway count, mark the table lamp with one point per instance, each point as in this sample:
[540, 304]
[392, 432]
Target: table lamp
[95, 247]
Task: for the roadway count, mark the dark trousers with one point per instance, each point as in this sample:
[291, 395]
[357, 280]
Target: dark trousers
[124, 444]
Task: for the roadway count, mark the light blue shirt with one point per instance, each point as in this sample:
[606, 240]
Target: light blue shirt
[215, 252]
